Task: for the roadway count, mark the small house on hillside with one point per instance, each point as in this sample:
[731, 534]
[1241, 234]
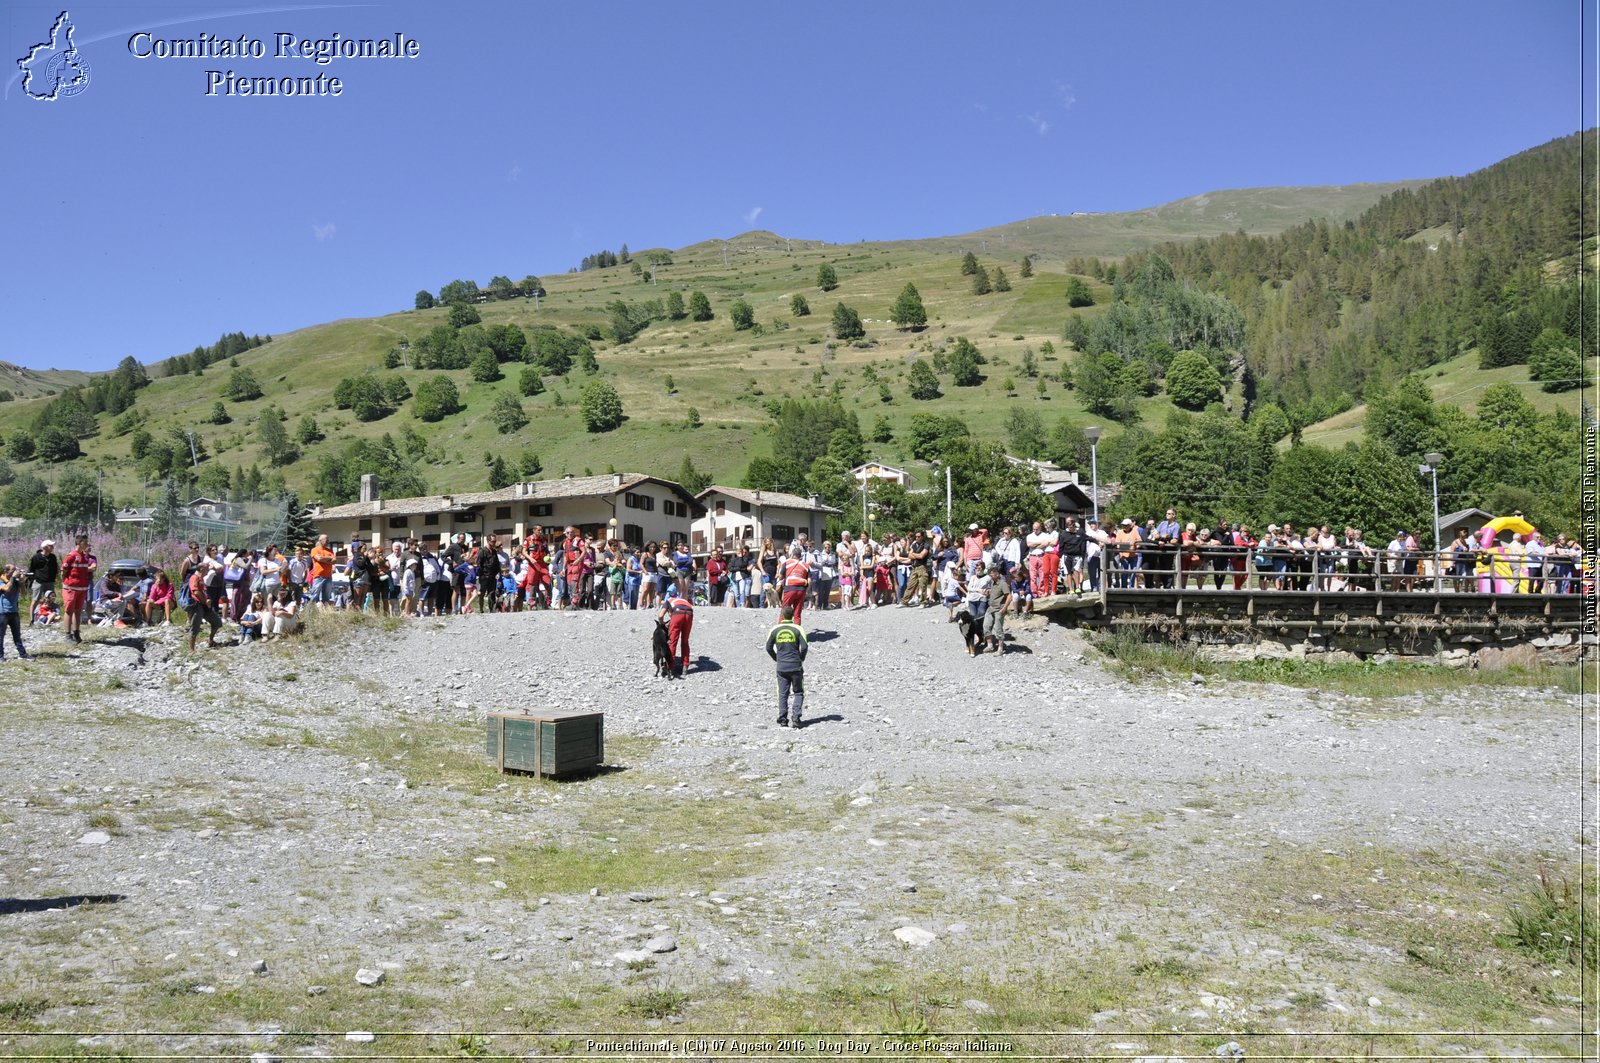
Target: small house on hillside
[877, 470]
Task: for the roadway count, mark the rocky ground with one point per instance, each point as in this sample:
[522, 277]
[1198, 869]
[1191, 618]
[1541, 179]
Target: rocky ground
[1021, 847]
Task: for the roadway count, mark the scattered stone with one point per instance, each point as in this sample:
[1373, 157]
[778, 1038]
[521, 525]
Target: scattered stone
[316, 990]
[977, 1007]
[906, 887]
[632, 955]
[368, 976]
[1374, 1002]
[498, 957]
[205, 990]
[360, 1037]
[94, 837]
[916, 936]
[483, 860]
[1232, 1050]
[264, 1057]
[661, 943]
[641, 898]
[259, 967]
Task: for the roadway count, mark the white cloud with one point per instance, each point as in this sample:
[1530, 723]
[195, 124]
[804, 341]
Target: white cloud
[752, 214]
[324, 232]
[1065, 96]
[515, 172]
[1041, 124]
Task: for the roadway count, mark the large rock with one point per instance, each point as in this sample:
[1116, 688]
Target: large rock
[916, 936]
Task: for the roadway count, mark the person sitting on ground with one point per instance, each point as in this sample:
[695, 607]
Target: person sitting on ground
[160, 600]
[283, 616]
[113, 603]
[251, 622]
[45, 611]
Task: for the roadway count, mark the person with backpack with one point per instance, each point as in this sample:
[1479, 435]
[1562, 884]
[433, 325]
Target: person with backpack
[435, 583]
[787, 646]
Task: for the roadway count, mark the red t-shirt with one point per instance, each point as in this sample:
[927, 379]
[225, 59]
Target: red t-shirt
[77, 571]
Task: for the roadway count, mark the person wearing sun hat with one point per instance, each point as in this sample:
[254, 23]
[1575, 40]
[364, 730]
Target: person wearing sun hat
[972, 547]
[43, 570]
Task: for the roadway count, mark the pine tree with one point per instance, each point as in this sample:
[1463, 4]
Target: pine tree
[847, 323]
[924, 384]
[980, 282]
[499, 474]
[827, 279]
[298, 530]
[969, 264]
[908, 311]
[164, 519]
[1001, 283]
[699, 306]
[1027, 267]
[693, 480]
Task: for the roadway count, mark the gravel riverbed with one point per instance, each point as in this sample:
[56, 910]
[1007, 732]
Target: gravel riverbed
[271, 819]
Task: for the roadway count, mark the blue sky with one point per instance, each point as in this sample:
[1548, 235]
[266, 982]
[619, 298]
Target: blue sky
[145, 217]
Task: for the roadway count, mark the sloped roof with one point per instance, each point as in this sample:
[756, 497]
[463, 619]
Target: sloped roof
[780, 499]
[533, 491]
[1460, 515]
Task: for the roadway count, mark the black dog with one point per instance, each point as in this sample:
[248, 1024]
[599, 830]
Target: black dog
[971, 629]
[658, 649]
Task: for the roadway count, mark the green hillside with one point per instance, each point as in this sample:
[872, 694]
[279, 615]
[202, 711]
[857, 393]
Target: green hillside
[30, 383]
[1251, 210]
[724, 374]
[1458, 382]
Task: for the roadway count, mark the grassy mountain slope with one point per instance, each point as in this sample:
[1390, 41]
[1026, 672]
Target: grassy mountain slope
[1457, 382]
[724, 374]
[31, 383]
[1254, 210]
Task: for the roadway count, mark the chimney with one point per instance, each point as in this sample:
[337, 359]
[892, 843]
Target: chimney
[449, 501]
[816, 500]
[369, 487]
[616, 480]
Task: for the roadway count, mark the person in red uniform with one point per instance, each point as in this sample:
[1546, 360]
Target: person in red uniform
[678, 612]
[795, 575]
[77, 576]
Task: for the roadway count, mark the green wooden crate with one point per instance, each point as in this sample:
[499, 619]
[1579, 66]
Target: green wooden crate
[546, 743]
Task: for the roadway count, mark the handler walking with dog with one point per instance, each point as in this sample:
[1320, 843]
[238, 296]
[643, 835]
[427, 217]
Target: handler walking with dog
[796, 579]
[786, 644]
[678, 612]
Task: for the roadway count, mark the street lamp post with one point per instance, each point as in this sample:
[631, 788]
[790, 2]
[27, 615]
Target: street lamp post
[1433, 458]
[1093, 434]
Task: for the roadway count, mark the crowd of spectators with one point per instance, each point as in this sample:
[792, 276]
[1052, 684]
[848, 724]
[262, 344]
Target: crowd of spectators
[263, 591]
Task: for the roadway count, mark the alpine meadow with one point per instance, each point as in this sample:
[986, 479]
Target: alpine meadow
[1228, 342]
